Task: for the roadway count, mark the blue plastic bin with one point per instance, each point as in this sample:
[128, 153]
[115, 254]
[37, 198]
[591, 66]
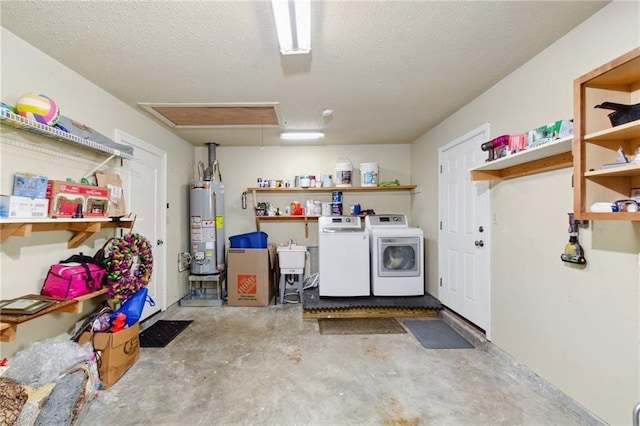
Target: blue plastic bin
[250, 240]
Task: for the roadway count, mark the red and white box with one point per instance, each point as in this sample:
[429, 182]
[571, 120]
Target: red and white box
[64, 198]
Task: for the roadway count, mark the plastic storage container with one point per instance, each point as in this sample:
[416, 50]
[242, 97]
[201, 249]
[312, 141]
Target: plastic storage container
[369, 174]
[250, 240]
[343, 174]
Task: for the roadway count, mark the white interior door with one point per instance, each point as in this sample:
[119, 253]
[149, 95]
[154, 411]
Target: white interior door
[463, 249]
[144, 182]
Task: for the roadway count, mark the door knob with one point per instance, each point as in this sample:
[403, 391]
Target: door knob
[160, 242]
[479, 243]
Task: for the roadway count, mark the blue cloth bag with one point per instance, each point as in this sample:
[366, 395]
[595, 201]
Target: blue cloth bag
[133, 306]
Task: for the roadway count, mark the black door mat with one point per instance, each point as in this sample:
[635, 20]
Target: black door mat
[161, 333]
[360, 326]
[313, 302]
[436, 334]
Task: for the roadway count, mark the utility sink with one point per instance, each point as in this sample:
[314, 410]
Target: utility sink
[292, 258]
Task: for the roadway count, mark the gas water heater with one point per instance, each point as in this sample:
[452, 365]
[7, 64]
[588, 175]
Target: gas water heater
[206, 211]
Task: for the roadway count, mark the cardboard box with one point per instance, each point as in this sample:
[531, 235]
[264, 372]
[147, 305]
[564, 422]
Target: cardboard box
[117, 352]
[64, 198]
[251, 276]
[23, 207]
[562, 129]
[32, 186]
[113, 182]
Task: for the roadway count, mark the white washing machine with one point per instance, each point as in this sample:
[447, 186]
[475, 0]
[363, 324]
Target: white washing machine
[343, 257]
[397, 259]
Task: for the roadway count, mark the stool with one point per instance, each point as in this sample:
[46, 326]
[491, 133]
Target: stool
[200, 295]
[298, 276]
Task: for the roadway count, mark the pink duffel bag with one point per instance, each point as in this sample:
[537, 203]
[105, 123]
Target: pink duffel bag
[69, 280]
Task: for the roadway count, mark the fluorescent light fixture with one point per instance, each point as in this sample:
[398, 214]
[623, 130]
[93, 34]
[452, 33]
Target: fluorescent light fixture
[293, 22]
[301, 136]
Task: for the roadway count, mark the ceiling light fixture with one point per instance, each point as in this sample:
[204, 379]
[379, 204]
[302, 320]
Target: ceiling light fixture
[293, 23]
[301, 136]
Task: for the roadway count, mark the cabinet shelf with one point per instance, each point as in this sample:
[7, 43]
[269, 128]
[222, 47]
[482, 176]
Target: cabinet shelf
[9, 323]
[597, 141]
[624, 131]
[549, 156]
[82, 228]
[629, 170]
[10, 119]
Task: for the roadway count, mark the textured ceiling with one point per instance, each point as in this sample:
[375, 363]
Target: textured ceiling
[390, 70]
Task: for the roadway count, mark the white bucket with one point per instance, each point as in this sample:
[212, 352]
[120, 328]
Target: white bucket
[369, 174]
[343, 174]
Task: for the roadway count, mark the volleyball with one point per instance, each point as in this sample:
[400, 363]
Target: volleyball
[39, 108]
[7, 107]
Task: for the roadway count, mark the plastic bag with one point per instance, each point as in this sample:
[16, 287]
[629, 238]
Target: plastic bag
[43, 362]
[133, 306]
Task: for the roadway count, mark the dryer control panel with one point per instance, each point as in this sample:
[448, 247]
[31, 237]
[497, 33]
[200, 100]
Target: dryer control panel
[386, 221]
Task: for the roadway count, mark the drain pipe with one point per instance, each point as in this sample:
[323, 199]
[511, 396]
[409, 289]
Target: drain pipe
[636, 415]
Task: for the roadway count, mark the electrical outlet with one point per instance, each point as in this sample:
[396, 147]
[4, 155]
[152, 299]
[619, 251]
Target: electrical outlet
[495, 218]
[184, 261]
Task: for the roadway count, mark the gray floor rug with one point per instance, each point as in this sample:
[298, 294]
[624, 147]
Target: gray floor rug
[436, 334]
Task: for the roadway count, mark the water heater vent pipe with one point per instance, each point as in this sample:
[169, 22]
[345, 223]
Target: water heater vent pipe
[212, 168]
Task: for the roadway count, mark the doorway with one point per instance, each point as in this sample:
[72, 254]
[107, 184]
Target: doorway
[144, 182]
[464, 235]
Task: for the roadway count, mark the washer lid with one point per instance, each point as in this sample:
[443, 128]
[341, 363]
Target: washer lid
[386, 221]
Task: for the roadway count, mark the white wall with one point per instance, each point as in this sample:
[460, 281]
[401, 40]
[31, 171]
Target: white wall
[24, 261]
[577, 328]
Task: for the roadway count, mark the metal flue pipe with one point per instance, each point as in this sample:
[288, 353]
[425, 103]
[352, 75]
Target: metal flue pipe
[209, 171]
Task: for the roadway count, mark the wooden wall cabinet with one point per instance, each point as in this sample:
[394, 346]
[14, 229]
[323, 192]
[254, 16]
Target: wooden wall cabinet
[596, 141]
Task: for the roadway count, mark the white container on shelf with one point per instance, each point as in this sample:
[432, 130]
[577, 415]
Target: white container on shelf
[344, 173]
[369, 174]
[305, 181]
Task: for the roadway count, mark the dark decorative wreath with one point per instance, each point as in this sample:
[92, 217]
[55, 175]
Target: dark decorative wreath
[129, 263]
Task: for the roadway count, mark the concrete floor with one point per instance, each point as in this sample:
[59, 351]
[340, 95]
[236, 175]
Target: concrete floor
[269, 366]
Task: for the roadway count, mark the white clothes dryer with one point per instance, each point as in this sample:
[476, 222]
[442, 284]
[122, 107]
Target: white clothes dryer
[343, 257]
[397, 259]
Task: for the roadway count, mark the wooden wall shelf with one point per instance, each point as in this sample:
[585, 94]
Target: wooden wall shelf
[9, 323]
[314, 218]
[82, 228]
[543, 158]
[337, 188]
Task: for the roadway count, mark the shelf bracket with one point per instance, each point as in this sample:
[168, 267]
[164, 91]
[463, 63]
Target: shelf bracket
[15, 229]
[82, 234]
[99, 165]
[7, 331]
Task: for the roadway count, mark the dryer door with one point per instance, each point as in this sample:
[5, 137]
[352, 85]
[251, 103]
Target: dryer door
[399, 257]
